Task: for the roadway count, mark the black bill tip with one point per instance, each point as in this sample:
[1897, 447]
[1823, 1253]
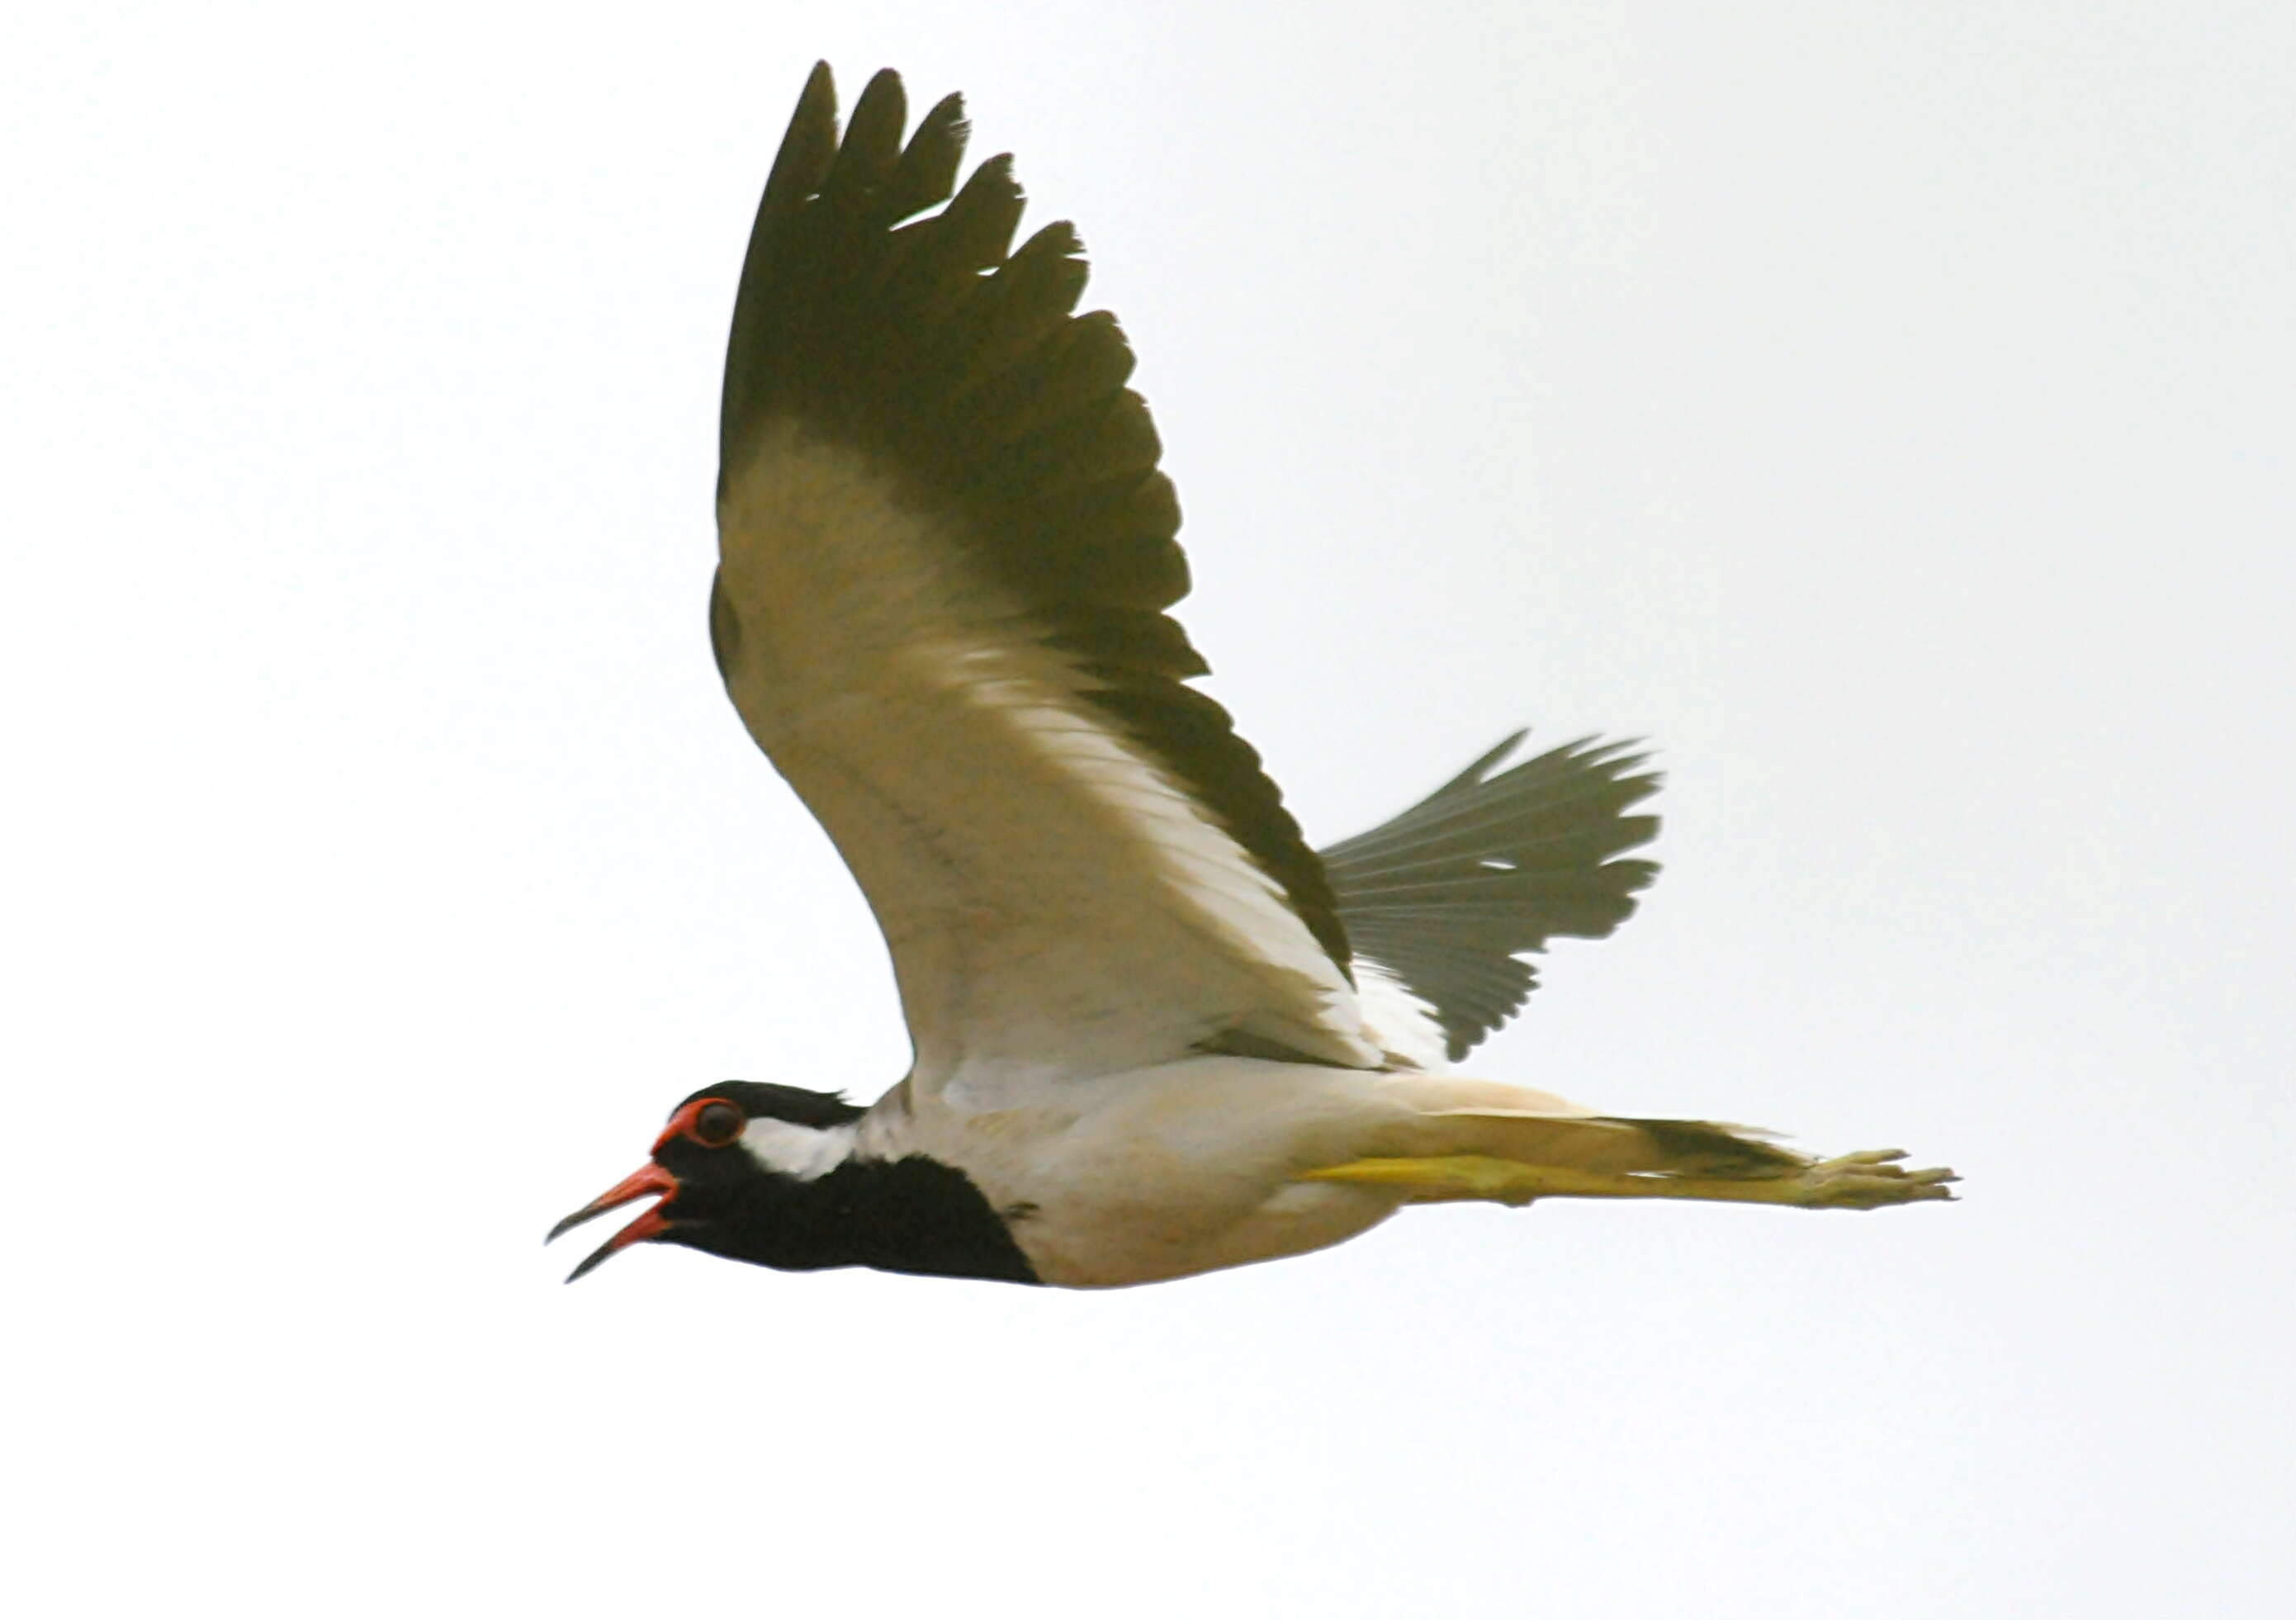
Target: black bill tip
[570, 1222]
[598, 1257]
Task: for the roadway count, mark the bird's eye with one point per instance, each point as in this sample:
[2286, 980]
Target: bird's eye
[715, 1123]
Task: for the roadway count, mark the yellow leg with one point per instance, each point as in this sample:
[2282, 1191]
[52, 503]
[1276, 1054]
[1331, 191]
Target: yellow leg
[1856, 1180]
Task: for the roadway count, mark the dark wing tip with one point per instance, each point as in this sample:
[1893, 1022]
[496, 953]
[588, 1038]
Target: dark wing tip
[1475, 773]
[959, 365]
[809, 144]
[1450, 893]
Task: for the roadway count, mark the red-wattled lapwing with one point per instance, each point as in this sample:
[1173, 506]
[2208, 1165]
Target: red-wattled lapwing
[1155, 1033]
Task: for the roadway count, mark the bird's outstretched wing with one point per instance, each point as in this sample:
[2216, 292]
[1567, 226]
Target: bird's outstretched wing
[946, 551]
[1448, 894]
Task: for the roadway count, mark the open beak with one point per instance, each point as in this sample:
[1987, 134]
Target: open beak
[652, 1182]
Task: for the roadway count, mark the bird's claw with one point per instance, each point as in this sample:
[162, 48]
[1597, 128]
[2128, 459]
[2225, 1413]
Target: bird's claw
[1871, 1180]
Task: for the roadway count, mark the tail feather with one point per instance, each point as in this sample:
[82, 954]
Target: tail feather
[1446, 1137]
[1446, 1116]
[1642, 1147]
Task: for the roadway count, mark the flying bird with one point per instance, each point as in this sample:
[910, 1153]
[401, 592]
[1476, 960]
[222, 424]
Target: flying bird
[1155, 1033]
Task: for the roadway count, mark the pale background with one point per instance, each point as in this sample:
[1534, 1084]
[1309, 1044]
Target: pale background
[1885, 407]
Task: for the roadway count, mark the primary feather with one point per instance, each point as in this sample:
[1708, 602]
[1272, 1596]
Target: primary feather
[1452, 892]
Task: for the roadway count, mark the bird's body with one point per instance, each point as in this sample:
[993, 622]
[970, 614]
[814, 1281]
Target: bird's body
[1144, 1175]
[1155, 1033]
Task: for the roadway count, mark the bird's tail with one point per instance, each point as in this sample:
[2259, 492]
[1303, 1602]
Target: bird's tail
[1474, 1139]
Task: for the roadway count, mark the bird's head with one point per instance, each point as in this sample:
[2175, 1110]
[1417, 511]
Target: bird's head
[730, 1170]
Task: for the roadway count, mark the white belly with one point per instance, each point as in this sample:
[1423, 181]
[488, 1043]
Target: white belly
[1088, 1242]
[1166, 1171]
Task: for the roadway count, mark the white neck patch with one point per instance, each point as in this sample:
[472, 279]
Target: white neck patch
[802, 1151]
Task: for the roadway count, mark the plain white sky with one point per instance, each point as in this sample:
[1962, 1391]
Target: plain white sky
[1884, 408]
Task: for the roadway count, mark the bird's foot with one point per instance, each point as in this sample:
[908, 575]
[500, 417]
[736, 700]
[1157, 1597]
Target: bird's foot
[1867, 1180]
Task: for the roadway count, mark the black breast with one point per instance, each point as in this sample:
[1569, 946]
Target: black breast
[920, 1215]
[916, 1215]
